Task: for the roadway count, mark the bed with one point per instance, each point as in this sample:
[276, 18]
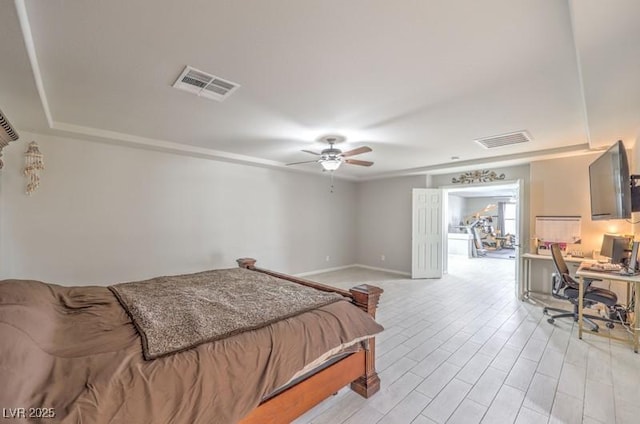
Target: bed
[79, 354]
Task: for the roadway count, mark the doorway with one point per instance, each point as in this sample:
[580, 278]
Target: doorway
[482, 223]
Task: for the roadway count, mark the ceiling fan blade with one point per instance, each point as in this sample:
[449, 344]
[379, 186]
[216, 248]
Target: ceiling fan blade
[358, 162]
[313, 153]
[358, 151]
[298, 163]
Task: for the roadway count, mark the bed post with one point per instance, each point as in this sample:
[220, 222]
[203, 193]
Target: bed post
[247, 263]
[366, 297]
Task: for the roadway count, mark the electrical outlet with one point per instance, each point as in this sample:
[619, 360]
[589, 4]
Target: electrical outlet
[328, 258]
[383, 258]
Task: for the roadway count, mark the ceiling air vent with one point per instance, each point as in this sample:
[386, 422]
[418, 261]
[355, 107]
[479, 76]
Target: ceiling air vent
[205, 85]
[7, 134]
[504, 140]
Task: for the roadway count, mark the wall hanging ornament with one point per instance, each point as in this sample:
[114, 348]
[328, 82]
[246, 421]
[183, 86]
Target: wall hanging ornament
[483, 176]
[33, 164]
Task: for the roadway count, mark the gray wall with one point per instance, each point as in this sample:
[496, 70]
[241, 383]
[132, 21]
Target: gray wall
[384, 222]
[107, 213]
[512, 173]
[384, 216]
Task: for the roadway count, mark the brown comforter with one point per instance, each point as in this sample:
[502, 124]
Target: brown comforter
[74, 349]
[180, 312]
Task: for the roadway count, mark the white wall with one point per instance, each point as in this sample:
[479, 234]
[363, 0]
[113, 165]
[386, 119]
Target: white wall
[456, 206]
[384, 222]
[107, 213]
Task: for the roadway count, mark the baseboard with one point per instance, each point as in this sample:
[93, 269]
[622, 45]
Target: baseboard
[322, 271]
[390, 271]
[339, 268]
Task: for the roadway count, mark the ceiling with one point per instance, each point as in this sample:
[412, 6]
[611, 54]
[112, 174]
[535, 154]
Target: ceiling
[417, 81]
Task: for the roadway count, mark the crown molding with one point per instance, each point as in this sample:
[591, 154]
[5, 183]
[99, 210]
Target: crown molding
[23, 18]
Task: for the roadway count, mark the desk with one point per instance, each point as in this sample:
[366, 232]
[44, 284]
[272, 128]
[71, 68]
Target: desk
[632, 281]
[526, 270]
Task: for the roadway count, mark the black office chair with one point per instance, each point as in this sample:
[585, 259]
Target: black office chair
[566, 288]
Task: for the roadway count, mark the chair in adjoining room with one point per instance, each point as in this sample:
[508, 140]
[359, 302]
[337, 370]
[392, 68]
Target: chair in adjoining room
[566, 288]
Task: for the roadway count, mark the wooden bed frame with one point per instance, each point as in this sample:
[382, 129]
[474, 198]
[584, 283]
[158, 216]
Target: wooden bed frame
[357, 368]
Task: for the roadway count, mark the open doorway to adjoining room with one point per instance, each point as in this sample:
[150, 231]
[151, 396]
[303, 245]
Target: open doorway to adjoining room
[482, 224]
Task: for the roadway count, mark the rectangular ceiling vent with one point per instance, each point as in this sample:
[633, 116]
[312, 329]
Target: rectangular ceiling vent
[7, 134]
[205, 85]
[504, 140]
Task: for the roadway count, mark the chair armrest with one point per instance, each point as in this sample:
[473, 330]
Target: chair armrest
[587, 282]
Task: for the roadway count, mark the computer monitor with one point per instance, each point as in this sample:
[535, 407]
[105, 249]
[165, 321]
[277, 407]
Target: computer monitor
[633, 259]
[615, 247]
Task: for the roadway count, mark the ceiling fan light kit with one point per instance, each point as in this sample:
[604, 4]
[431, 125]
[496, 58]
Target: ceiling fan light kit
[331, 164]
[332, 158]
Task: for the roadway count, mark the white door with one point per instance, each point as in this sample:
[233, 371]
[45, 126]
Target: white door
[427, 235]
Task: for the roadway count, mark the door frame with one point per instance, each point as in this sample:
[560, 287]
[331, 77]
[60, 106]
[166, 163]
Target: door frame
[518, 184]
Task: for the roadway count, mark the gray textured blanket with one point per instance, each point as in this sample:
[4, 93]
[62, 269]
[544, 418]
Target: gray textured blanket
[180, 312]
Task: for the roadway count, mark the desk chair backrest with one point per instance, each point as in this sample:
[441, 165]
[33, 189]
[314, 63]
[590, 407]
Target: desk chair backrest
[563, 278]
[558, 260]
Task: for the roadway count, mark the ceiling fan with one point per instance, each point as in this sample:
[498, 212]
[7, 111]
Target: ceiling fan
[332, 158]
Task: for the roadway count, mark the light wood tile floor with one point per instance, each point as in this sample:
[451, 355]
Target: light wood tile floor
[463, 349]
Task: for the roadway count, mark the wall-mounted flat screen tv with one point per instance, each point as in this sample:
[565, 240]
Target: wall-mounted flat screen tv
[610, 186]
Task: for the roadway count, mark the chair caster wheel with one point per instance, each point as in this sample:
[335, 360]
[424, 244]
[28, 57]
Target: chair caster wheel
[551, 320]
[545, 312]
[610, 325]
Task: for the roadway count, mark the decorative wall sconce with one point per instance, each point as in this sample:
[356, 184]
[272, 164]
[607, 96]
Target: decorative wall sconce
[33, 164]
